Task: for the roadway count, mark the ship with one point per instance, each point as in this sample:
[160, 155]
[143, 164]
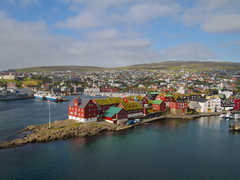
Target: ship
[40, 95]
[10, 95]
[53, 98]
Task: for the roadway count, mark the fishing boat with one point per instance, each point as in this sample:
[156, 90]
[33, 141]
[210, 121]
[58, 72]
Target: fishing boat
[40, 95]
[53, 98]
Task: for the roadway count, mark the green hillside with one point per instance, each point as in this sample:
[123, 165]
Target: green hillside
[166, 65]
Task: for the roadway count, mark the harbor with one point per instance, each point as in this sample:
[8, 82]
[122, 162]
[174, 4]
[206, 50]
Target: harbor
[167, 140]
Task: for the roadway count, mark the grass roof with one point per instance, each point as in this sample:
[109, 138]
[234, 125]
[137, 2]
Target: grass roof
[130, 106]
[157, 102]
[109, 101]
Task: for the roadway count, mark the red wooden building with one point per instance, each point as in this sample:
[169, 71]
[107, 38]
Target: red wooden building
[237, 104]
[178, 107]
[83, 110]
[159, 105]
[133, 109]
[105, 104]
[114, 114]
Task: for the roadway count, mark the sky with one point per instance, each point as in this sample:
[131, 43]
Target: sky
[112, 33]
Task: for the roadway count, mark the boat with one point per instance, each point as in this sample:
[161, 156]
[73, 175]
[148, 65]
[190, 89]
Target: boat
[234, 127]
[228, 116]
[236, 115]
[222, 115]
[10, 95]
[53, 98]
[40, 95]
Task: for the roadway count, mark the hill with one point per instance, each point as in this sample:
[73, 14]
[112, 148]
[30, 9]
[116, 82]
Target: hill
[61, 68]
[186, 65]
[166, 65]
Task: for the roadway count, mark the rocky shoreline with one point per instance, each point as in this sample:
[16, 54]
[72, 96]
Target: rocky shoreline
[67, 129]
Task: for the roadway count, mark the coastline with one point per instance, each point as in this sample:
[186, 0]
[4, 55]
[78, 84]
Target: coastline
[67, 129]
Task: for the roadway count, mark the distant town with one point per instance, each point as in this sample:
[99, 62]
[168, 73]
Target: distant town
[137, 92]
[121, 98]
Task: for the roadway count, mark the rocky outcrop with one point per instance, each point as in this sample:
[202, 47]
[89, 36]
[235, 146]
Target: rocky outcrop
[67, 129]
[59, 130]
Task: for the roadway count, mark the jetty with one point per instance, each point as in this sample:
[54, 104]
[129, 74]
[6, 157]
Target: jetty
[67, 129]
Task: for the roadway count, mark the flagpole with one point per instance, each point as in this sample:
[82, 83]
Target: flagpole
[49, 120]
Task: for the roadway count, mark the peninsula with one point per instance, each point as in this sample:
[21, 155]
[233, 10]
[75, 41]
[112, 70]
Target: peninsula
[67, 129]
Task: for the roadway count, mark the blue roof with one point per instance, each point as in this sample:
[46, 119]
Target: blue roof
[112, 111]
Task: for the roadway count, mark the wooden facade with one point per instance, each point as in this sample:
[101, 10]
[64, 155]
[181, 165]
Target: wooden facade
[178, 107]
[159, 105]
[83, 110]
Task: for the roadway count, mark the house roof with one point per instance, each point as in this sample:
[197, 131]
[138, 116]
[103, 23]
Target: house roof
[155, 93]
[168, 95]
[112, 111]
[108, 101]
[83, 103]
[130, 106]
[157, 102]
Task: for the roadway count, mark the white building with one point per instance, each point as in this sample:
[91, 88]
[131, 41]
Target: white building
[8, 77]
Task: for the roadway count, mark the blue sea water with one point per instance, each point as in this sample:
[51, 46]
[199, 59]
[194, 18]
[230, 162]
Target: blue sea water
[200, 149]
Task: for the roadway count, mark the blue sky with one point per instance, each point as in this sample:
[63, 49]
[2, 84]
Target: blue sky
[117, 32]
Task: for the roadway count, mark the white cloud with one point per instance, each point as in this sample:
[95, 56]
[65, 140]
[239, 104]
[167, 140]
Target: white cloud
[82, 20]
[214, 16]
[188, 51]
[147, 11]
[98, 4]
[30, 44]
[103, 34]
[227, 23]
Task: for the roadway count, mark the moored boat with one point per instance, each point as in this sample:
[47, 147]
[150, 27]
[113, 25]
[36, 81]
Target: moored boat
[234, 127]
[53, 98]
[14, 95]
[40, 95]
[228, 116]
[236, 115]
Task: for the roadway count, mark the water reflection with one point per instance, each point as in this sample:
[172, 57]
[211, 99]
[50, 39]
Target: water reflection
[211, 122]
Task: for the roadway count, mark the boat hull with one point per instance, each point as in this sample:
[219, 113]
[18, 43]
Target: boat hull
[15, 98]
[51, 99]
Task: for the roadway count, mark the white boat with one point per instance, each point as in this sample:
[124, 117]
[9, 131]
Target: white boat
[53, 97]
[222, 115]
[40, 95]
[228, 116]
[236, 115]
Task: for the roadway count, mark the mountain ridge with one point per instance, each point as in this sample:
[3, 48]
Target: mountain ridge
[166, 65]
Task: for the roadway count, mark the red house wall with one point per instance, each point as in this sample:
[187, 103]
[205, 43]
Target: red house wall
[159, 107]
[89, 111]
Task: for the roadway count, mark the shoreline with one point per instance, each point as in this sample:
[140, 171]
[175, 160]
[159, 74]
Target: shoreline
[68, 129]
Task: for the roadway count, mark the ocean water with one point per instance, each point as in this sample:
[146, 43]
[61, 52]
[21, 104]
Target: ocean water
[199, 149]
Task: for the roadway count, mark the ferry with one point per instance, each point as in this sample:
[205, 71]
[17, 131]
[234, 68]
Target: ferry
[14, 95]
